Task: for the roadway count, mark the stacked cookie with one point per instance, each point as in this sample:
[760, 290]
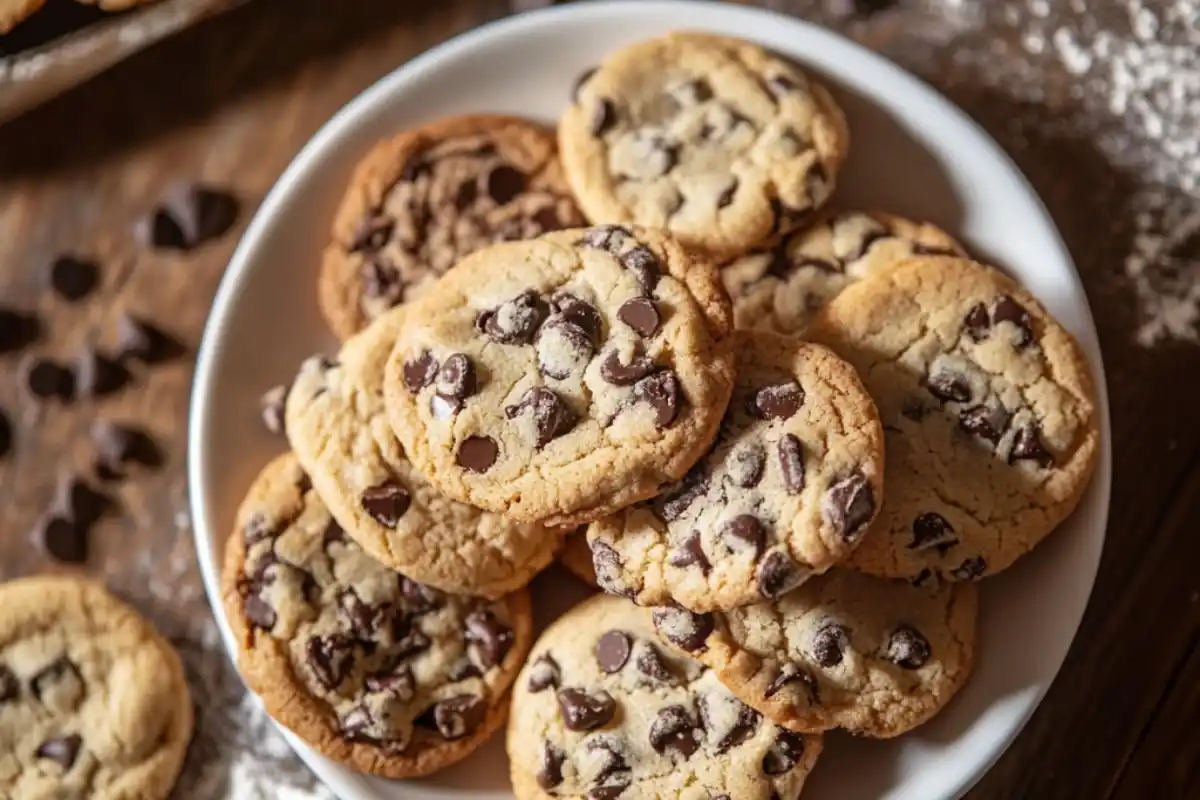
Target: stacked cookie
[785, 441]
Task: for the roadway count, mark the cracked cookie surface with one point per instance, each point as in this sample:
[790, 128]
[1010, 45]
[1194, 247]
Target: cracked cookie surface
[370, 668]
[422, 200]
[93, 702]
[340, 433]
[713, 139]
[604, 710]
[989, 410]
[781, 288]
[788, 489]
[846, 650]
[565, 377]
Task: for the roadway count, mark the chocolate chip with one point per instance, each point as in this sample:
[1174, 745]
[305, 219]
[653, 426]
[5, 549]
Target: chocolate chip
[563, 348]
[673, 504]
[615, 789]
[605, 237]
[778, 574]
[408, 638]
[381, 281]
[732, 725]
[580, 313]
[6, 434]
[18, 330]
[552, 417]
[984, 422]
[477, 453]
[604, 117]
[357, 724]
[63, 750]
[674, 729]
[504, 183]
[609, 575]
[606, 764]
[459, 716]
[386, 503]
[784, 752]
[330, 658]
[73, 278]
[744, 533]
[1009, 310]
[515, 321]
[662, 393]
[745, 464]
[640, 314]
[491, 637]
[543, 673]
[189, 215]
[583, 711]
[791, 462]
[550, 774]
[683, 628]
[829, 643]
[689, 553]
[848, 505]
[118, 445]
[907, 647]
[63, 539]
[258, 611]
[46, 379]
[372, 234]
[779, 401]
[642, 262]
[932, 530]
[948, 387]
[970, 569]
[1027, 445]
[977, 322]
[361, 618]
[612, 651]
[456, 379]
[463, 669]
[139, 340]
[10, 685]
[582, 80]
[618, 373]
[726, 195]
[651, 665]
[419, 372]
[419, 598]
[790, 673]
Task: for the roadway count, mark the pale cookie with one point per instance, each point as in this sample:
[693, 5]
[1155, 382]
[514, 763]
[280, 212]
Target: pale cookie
[370, 668]
[782, 288]
[788, 489]
[989, 411]
[422, 200]
[13, 12]
[338, 428]
[565, 377]
[93, 702]
[602, 710]
[845, 650]
[713, 139]
[576, 556]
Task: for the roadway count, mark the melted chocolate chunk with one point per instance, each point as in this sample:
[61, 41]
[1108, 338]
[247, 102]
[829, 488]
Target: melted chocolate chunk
[1027, 446]
[791, 462]
[790, 673]
[661, 392]
[579, 313]
[683, 628]
[612, 651]
[829, 643]
[552, 417]
[651, 665]
[63, 750]
[948, 387]
[614, 371]
[550, 774]
[397, 682]
[258, 610]
[729, 733]
[848, 505]
[970, 569]
[784, 753]
[477, 453]
[456, 379]
[640, 314]
[608, 568]
[690, 553]
[778, 574]
[1006, 309]
[745, 464]
[907, 647]
[386, 503]
[371, 234]
[491, 637]
[932, 530]
[977, 322]
[420, 372]
[563, 348]
[672, 505]
[419, 598]
[544, 673]
[744, 533]
[674, 729]
[986, 423]
[459, 716]
[644, 265]
[515, 322]
[330, 658]
[584, 711]
[780, 401]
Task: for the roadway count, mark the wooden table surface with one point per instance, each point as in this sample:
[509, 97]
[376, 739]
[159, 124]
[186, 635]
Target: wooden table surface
[232, 101]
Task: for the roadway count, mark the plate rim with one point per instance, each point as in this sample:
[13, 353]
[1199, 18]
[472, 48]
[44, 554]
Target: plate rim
[241, 263]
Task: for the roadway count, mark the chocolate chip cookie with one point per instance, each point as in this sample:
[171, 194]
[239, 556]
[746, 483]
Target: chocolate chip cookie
[338, 428]
[93, 701]
[604, 710]
[788, 490]
[989, 410]
[563, 378]
[845, 650]
[781, 288]
[713, 139]
[422, 200]
[370, 668]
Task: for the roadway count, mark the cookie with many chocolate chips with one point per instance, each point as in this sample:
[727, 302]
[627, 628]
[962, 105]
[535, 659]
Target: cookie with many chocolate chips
[604, 710]
[563, 378]
[336, 423]
[93, 702]
[788, 489]
[781, 288]
[845, 650]
[422, 200]
[989, 410]
[370, 668]
[713, 139]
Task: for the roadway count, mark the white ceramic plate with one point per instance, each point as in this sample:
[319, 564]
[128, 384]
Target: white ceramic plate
[913, 153]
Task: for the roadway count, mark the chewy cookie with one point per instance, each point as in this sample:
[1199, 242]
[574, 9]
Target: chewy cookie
[601, 711]
[845, 650]
[370, 668]
[563, 378]
[339, 431]
[790, 486]
[93, 701]
[713, 139]
[989, 411]
[422, 200]
[780, 289]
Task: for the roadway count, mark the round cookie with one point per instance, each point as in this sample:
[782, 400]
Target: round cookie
[576, 556]
[603, 710]
[370, 668]
[780, 289]
[565, 377]
[713, 139]
[93, 702]
[989, 410]
[422, 200]
[13, 12]
[845, 650]
[338, 428]
[788, 489]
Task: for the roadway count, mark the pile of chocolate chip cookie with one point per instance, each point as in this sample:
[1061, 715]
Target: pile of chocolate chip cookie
[787, 441]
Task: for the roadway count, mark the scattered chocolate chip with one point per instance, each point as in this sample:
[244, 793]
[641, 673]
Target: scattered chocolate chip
[1009, 310]
[674, 729]
[491, 637]
[356, 724]
[726, 195]
[970, 569]
[778, 574]
[745, 464]
[580, 82]
[139, 340]
[386, 503]
[552, 417]
[18, 330]
[563, 348]
[640, 314]
[63, 539]
[459, 716]
[544, 673]
[118, 445]
[614, 788]
[362, 618]
[977, 322]
[330, 658]
[605, 237]
[780, 401]
[456, 379]
[46, 379]
[6, 434]
[683, 628]
[550, 774]
[10, 685]
[1027, 446]
[829, 643]
[515, 321]
[604, 117]
[744, 533]
[464, 669]
[604, 755]
[504, 183]
[784, 753]
[381, 281]
[984, 422]
[419, 598]
[188, 216]
[63, 750]
[662, 393]
[609, 576]
[848, 505]
[419, 372]
[642, 262]
[477, 453]
[73, 278]
[258, 611]
[791, 462]
[690, 553]
[674, 503]
[907, 647]
[612, 651]
[579, 313]
[583, 711]
[618, 373]
[932, 530]
[788, 674]
[948, 387]
[729, 720]
[371, 234]
[409, 638]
